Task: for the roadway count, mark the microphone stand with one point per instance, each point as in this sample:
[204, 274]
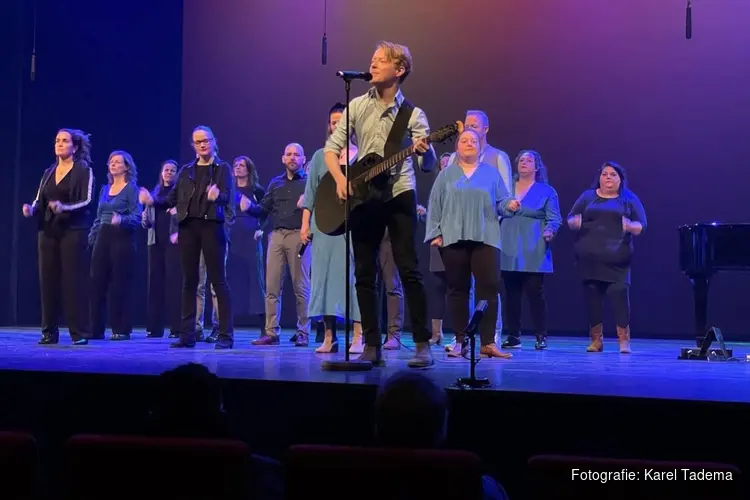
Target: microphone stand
[472, 382]
[347, 365]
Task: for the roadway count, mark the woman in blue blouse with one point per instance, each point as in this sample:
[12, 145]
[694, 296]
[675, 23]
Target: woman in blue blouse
[531, 218]
[606, 217]
[112, 238]
[462, 223]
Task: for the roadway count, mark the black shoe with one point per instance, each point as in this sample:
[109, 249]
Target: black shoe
[119, 336]
[293, 338]
[183, 343]
[511, 342]
[49, 339]
[81, 341]
[153, 335]
[223, 342]
[541, 342]
[213, 338]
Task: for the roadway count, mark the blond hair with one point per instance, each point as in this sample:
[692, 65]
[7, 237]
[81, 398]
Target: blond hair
[399, 55]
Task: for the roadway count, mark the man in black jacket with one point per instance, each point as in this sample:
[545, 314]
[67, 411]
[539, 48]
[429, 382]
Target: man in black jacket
[202, 196]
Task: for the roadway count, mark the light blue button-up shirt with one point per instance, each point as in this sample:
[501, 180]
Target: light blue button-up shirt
[371, 121]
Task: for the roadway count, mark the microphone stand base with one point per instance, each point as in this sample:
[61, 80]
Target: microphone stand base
[472, 383]
[352, 365]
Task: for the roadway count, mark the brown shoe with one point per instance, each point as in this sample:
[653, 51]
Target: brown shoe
[623, 338]
[596, 344]
[422, 356]
[491, 351]
[374, 355]
[267, 340]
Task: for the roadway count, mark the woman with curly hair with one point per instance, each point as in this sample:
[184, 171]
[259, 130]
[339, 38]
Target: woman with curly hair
[112, 238]
[606, 218]
[63, 210]
[530, 220]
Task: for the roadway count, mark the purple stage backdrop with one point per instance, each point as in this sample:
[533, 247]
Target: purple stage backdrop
[581, 81]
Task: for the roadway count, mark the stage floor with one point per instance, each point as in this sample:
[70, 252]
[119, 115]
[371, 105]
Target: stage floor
[651, 371]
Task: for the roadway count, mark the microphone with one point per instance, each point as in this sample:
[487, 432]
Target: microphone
[354, 75]
[689, 20]
[303, 248]
[324, 51]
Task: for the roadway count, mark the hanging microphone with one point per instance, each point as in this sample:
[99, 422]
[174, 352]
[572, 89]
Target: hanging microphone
[324, 51]
[33, 66]
[689, 20]
[354, 75]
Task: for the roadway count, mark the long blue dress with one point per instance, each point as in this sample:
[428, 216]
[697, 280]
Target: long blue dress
[328, 288]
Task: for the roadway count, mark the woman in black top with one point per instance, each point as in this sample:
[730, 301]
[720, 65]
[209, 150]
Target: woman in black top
[203, 198]
[246, 270]
[63, 211]
[606, 218]
[164, 278]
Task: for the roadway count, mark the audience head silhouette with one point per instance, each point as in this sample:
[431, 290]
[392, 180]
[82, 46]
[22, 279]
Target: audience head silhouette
[411, 411]
[190, 402]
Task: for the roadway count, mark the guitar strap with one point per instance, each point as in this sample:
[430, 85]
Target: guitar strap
[393, 144]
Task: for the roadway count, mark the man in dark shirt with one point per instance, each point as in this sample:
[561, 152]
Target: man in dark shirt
[281, 205]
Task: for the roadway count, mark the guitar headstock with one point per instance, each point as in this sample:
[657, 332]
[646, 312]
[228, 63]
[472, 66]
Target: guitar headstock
[447, 132]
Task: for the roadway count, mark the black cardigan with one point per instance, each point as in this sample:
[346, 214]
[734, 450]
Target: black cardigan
[75, 215]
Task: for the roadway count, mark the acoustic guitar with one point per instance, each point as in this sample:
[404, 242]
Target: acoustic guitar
[365, 180]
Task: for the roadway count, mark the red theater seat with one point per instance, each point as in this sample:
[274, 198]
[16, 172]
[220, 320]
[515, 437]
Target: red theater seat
[18, 461]
[130, 467]
[340, 472]
[553, 477]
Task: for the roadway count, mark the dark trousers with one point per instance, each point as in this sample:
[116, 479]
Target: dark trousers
[440, 295]
[63, 281]
[196, 236]
[513, 287]
[111, 280]
[369, 222]
[462, 260]
[164, 287]
[619, 299]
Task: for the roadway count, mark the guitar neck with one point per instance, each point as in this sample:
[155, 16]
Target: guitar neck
[387, 164]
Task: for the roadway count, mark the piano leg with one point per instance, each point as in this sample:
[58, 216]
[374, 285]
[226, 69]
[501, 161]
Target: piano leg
[700, 302]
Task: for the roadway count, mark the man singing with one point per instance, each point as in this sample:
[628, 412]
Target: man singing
[371, 117]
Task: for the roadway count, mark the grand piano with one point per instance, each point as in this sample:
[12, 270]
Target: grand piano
[705, 249]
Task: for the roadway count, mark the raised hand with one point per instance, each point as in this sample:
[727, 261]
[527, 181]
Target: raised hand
[55, 206]
[245, 203]
[144, 197]
[212, 192]
[574, 222]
